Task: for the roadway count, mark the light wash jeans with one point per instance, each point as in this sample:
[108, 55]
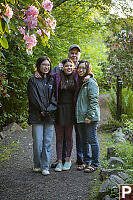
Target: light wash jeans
[88, 134]
[42, 144]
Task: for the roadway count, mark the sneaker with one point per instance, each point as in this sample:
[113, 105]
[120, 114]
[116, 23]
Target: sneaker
[36, 169]
[59, 167]
[53, 165]
[45, 172]
[67, 166]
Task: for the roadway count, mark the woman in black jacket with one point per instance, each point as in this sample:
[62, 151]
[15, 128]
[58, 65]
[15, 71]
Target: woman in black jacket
[42, 106]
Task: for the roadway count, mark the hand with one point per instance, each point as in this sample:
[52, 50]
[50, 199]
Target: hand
[42, 113]
[86, 78]
[37, 75]
[87, 121]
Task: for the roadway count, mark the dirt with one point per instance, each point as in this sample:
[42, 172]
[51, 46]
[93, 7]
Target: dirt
[19, 182]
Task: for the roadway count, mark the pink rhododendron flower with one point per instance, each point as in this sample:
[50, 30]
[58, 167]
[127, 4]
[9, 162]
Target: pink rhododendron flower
[30, 41]
[31, 17]
[39, 32]
[51, 23]
[22, 30]
[33, 11]
[9, 12]
[47, 5]
[46, 32]
[31, 22]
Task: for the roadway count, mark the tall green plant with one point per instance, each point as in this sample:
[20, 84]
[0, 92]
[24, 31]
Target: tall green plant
[127, 102]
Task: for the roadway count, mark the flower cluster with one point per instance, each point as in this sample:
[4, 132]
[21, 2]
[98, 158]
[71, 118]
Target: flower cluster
[32, 21]
[7, 11]
[3, 85]
[31, 16]
[47, 5]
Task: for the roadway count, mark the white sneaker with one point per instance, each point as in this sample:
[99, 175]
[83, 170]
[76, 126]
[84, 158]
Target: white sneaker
[45, 172]
[36, 169]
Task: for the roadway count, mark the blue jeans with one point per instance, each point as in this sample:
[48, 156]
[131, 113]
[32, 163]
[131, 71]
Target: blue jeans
[88, 134]
[79, 145]
[42, 144]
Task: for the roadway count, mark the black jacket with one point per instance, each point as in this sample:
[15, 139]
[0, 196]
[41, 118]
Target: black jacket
[41, 96]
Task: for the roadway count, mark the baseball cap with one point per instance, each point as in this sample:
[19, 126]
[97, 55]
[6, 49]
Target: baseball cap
[74, 46]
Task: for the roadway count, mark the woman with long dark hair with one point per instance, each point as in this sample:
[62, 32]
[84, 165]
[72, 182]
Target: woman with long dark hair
[66, 94]
[42, 107]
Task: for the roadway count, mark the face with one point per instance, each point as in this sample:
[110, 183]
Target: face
[45, 67]
[68, 68]
[74, 55]
[81, 69]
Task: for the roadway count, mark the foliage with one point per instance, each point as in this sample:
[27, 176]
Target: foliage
[18, 67]
[3, 85]
[127, 103]
[7, 151]
[125, 151]
[120, 60]
[31, 19]
[127, 129]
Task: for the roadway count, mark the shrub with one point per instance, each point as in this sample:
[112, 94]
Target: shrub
[127, 102]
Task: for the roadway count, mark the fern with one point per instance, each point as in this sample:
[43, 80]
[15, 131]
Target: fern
[127, 102]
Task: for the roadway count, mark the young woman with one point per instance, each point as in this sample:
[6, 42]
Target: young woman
[88, 115]
[66, 95]
[42, 106]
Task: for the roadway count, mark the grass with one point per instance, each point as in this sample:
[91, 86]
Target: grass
[7, 151]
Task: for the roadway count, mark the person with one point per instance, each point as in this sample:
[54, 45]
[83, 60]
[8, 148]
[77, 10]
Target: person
[74, 54]
[66, 94]
[42, 107]
[87, 116]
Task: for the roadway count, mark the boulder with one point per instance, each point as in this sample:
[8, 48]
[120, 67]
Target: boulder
[115, 162]
[106, 173]
[112, 182]
[110, 152]
[13, 127]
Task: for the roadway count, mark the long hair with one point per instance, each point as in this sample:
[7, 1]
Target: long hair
[87, 66]
[39, 61]
[67, 81]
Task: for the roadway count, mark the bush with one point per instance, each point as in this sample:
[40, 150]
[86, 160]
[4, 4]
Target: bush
[125, 151]
[127, 102]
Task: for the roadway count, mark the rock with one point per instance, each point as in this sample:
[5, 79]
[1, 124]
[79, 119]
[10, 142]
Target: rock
[112, 182]
[115, 162]
[2, 135]
[13, 127]
[119, 136]
[110, 152]
[106, 173]
[123, 175]
[107, 197]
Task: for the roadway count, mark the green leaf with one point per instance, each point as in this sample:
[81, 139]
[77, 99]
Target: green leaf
[1, 29]
[12, 1]
[7, 28]
[4, 42]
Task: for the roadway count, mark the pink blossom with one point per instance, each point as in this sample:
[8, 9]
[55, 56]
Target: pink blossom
[51, 23]
[31, 22]
[47, 5]
[9, 12]
[22, 30]
[32, 11]
[30, 41]
[46, 32]
[39, 32]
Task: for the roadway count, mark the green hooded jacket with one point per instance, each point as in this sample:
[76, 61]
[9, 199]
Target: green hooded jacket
[87, 105]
